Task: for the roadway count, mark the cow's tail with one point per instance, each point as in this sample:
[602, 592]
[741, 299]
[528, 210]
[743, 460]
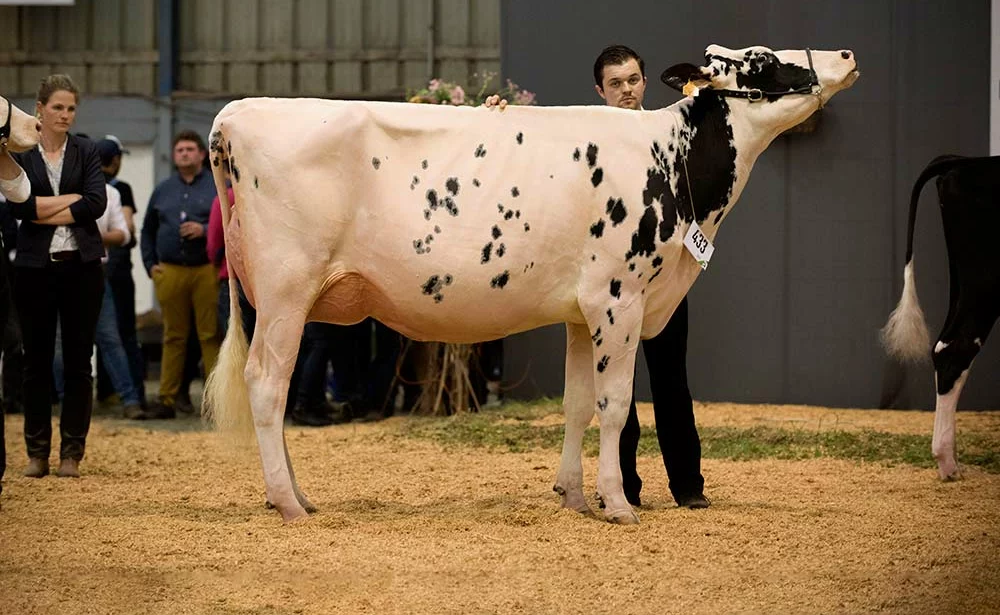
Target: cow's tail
[905, 335]
[226, 402]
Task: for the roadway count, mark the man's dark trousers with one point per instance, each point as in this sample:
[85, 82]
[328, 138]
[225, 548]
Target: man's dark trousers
[666, 358]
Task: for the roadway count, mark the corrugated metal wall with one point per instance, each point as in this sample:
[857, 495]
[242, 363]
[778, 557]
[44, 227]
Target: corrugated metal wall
[337, 48]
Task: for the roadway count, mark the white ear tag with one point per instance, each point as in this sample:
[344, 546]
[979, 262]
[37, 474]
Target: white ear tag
[698, 245]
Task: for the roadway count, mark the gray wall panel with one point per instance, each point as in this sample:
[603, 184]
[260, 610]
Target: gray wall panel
[808, 264]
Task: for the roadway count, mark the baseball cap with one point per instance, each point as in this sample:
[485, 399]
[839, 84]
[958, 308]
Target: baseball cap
[109, 147]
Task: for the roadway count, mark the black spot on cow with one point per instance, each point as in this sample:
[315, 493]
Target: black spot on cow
[509, 214]
[448, 279]
[487, 250]
[432, 286]
[611, 317]
[576, 155]
[602, 404]
[501, 280]
[500, 207]
[452, 185]
[711, 156]
[653, 277]
[418, 246]
[480, 151]
[475, 182]
[596, 334]
[376, 163]
[496, 232]
[591, 155]
[656, 262]
[427, 214]
[234, 169]
[766, 73]
[631, 266]
[718, 216]
[229, 147]
[429, 239]
[616, 289]
[527, 227]
[450, 205]
[644, 238]
[437, 229]
[438, 297]
[215, 161]
[501, 250]
[616, 211]
[423, 164]
[520, 138]
[517, 213]
[414, 182]
[597, 228]
[593, 257]
[215, 142]
[256, 184]
[603, 363]
[432, 199]
[627, 338]
[514, 192]
[597, 176]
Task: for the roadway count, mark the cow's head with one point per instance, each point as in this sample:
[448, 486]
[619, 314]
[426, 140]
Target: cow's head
[794, 78]
[18, 130]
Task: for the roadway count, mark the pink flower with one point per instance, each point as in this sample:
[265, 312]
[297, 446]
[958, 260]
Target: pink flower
[434, 84]
[457, 95]
[524, 97]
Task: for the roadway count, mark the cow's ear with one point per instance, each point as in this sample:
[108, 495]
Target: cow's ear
[680, 75]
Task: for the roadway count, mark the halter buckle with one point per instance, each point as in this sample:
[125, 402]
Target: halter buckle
[755, 95]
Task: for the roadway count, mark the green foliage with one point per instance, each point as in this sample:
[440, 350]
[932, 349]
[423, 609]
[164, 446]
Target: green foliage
[512, 428]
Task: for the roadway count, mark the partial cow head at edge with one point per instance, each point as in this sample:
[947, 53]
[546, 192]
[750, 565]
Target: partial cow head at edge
[24, 130]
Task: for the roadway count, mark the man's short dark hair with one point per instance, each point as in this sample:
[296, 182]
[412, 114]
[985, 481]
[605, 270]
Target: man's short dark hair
[189, 135]
[614, 55]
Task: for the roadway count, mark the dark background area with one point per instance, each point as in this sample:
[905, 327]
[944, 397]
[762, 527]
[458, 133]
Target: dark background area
[809, 264]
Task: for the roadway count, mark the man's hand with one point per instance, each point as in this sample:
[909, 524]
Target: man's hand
[495, 101]
[155, 269]
[192, 230]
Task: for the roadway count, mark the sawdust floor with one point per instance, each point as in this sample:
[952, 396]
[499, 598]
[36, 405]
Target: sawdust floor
[168, 520]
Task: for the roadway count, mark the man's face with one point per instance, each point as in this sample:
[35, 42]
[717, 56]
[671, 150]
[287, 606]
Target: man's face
[188, 156]
[623, 85]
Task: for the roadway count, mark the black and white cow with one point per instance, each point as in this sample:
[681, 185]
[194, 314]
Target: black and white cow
[969, 192]
[468, 224]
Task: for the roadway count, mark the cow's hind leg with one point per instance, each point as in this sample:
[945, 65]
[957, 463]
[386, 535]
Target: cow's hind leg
[268, 372]
[578, 406]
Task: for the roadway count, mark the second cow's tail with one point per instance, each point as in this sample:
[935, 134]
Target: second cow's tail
[226, 402]
[905, 335]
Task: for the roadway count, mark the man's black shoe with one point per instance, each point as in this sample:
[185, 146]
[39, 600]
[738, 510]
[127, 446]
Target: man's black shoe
[694, 501]
[310, 419]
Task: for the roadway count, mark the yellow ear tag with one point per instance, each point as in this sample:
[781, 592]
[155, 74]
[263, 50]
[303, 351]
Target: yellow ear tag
[689, 89]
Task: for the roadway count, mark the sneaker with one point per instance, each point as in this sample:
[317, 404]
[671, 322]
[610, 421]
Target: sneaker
[133, 412]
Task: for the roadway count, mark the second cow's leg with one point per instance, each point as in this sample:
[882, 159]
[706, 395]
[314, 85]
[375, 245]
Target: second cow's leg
[578, 406]
[268, 372]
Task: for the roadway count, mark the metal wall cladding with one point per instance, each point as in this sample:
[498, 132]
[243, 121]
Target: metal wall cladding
[376, 49]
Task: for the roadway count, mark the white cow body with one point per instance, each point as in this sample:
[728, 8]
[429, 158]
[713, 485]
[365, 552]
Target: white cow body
[463, 225]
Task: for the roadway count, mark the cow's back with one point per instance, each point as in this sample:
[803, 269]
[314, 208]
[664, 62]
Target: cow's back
[463, 222]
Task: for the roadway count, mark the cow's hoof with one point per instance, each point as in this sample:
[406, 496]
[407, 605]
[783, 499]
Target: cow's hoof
[294, 514]
[621, 517]
[574, 500]
[949, 475]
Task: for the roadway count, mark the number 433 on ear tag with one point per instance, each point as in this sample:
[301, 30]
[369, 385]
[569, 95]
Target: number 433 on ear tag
[698, 245]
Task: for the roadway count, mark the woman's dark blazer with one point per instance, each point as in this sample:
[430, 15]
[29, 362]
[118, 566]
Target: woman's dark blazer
[81, 175]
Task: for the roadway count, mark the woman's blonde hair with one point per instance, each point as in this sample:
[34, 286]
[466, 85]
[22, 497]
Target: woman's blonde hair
[54, 83]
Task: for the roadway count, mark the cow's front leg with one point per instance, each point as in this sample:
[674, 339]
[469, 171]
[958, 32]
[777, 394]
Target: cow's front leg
[614, 369]
[578, 406]
[268, 372]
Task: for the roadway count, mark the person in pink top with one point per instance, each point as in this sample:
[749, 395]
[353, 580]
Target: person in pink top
[216, 247]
